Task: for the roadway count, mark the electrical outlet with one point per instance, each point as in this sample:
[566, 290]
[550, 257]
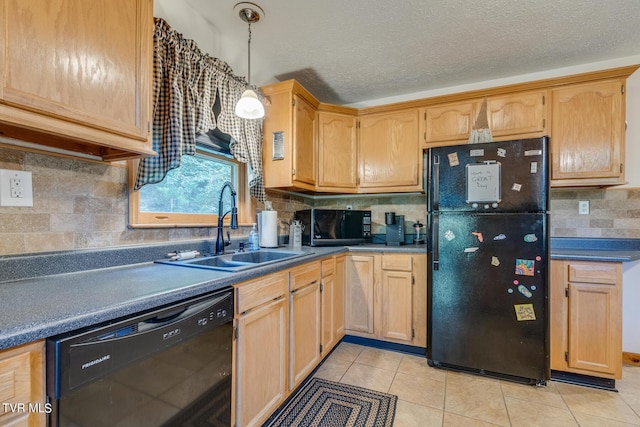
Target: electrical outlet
[583, 207]
[15, 188]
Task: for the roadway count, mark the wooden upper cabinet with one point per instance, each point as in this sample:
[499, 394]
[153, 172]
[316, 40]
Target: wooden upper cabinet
[76, 75]
[450, 123]
[337, 160]
[518, 115]
[587, 134]
[510, 116]
[389, 152]
[289, 136]
[304, 149]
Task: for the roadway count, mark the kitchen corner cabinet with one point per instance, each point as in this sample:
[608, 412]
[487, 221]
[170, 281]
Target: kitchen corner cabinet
[389, 152]
[588, 134]
[289, 136]
[386, 297]
[261, 348]
[586, 317]
[337, 147]
[22, 382]
[305, 323]
[76, 75]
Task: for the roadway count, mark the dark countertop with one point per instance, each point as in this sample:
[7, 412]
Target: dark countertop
[34, 308]
[595, 249]
[47, 294]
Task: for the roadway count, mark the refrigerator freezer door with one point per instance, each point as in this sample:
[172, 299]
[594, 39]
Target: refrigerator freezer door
[507, 176]
[487, 293]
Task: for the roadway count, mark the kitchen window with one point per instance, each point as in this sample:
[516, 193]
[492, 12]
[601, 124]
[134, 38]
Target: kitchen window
[188, 195]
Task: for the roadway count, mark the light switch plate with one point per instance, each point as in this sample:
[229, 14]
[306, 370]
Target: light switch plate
[583, 207]
[15, 188]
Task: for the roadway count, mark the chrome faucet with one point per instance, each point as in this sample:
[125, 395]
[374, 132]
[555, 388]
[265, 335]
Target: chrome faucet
[220, 243]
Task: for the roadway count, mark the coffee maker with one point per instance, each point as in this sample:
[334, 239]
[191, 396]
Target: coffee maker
[395, 229]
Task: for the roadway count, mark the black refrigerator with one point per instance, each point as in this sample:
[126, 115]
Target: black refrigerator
[487, 298]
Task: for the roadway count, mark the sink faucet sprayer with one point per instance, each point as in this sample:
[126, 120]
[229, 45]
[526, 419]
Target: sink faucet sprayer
[220, 243]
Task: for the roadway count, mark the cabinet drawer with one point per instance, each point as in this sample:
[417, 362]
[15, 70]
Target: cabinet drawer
[328, 266]
[256, 292]
[305, 274]
[397, 262]
[589, 272]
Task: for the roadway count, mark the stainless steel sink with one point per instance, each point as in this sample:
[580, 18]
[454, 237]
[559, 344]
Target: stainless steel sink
[238, 261]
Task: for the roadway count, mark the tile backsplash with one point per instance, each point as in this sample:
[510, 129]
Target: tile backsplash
[81, 205]
[613, 213]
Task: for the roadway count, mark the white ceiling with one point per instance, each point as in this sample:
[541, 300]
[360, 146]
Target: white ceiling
[352, 51]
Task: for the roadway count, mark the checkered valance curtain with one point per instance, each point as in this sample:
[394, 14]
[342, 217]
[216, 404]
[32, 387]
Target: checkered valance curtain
[186, 83]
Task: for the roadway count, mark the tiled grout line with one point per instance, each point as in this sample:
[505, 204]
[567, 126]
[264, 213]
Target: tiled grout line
[568, 407]
[504, 402]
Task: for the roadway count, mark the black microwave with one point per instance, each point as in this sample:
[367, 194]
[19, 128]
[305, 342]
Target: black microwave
[334, 227]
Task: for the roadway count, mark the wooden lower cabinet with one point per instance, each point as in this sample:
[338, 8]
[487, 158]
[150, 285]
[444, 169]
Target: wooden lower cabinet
[396, 299]
[22, 383]
[386, 297]
[586, 317]
[305, 323]
[359, 294]
[279, 321]
[261, 348]
[332, 293]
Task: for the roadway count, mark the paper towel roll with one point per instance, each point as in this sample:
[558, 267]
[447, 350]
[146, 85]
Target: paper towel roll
[269, 229]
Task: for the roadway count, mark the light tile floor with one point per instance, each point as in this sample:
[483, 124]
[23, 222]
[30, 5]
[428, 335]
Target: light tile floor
[434, 397]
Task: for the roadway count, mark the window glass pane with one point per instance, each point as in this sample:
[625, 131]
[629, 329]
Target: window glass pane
[194, 187]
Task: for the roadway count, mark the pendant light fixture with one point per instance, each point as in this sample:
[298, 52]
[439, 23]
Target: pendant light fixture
[249, 105]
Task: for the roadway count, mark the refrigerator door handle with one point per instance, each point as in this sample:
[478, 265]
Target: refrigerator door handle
[435, 194]
[434, 241]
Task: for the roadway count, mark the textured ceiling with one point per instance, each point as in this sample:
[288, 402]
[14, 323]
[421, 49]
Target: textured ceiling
[346, 52]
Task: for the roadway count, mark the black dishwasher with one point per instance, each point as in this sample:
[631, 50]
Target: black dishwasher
[166, 367]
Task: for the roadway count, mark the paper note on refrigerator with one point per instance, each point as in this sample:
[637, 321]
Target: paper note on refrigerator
[524, 312]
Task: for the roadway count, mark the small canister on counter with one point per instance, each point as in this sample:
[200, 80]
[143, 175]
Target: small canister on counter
[295, 234]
